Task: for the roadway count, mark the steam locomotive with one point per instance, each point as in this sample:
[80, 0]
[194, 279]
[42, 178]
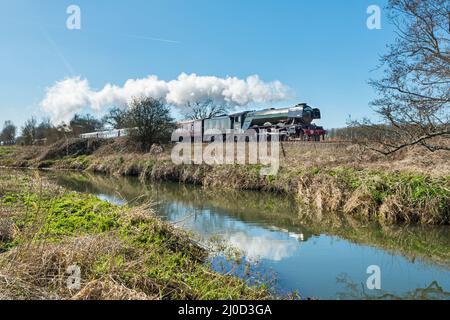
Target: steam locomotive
[293, 123]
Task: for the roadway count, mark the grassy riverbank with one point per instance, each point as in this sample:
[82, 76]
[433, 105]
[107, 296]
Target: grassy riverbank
[412, 187]
[122, 252]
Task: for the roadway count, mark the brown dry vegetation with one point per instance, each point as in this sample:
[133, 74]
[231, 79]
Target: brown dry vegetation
[292, 155]
[411, 186]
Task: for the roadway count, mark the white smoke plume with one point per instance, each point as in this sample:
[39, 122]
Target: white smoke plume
[69, 96]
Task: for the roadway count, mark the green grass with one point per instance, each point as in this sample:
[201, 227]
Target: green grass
[7, 151]
[141, 253]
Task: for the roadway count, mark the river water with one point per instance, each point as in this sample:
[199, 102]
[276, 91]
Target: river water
[325, 259]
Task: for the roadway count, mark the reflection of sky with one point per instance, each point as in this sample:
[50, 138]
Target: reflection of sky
[259, 247]
[111, 198]
[255, 242]
[312, 266]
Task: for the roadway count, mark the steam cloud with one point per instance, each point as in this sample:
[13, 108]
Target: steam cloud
[69, 96]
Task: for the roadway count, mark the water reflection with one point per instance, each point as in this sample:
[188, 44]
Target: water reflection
[357, 291]
[308, 256]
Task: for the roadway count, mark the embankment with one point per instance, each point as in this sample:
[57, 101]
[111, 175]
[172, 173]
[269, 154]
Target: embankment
[345, 181]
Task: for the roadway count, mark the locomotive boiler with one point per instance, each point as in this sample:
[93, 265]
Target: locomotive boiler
[295, 123]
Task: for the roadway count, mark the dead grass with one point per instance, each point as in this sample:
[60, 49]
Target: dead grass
[7, 229]
[109, 289]
[45, 266]
[71, 148]
[122, 252]
[13, 288]
[293, 155]
[325, 193]
[332, 155]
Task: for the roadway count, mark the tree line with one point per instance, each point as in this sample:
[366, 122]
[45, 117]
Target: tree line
[45, 132]
[148, 120]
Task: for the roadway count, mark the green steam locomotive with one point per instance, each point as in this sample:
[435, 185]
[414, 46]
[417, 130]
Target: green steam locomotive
[293, 123]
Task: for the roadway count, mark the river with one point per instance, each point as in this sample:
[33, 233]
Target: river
[325, 259]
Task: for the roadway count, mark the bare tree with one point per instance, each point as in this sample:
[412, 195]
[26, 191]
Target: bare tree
[204, 109]
[8, 134]
[414, 93]
[84, 124]
[46, 132]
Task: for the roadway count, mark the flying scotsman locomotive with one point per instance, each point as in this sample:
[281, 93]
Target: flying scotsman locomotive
[293, 123]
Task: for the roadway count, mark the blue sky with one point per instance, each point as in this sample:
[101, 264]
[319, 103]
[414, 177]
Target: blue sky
[322, 50]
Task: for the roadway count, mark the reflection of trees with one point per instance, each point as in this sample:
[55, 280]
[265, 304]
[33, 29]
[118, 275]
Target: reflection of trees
[261, 209]
[265, 210]
[429, 243]
[358, 291]
[130, 190]
[200, 211]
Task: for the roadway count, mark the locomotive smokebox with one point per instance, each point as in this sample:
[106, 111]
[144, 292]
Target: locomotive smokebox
[316, 114]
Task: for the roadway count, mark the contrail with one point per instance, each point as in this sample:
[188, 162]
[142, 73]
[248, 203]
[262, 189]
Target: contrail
[57, 50]
[149, 38]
